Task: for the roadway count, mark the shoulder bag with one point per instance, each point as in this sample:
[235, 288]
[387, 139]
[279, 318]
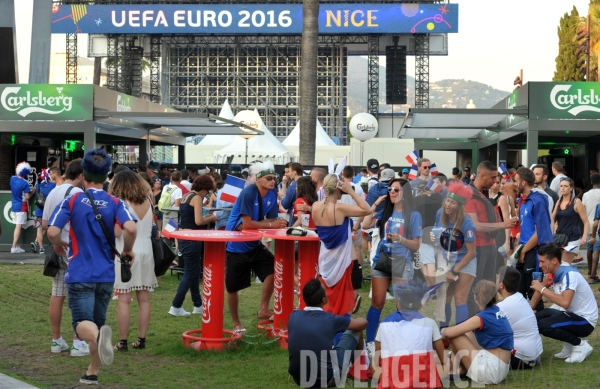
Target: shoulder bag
[52, 261]
[125, 260]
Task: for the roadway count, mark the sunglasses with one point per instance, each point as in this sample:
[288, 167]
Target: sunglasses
[269, 178]
[426, 167]
[394, 189]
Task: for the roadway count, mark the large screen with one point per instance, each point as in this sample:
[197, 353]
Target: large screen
[253, 19]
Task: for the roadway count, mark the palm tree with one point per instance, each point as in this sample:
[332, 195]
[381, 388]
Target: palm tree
[308, 79]
[594, 33]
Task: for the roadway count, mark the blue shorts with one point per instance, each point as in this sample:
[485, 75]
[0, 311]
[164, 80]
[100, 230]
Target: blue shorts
[89, 301]
[409, 272]
[595, 246]
[427, 254]
[471, 268]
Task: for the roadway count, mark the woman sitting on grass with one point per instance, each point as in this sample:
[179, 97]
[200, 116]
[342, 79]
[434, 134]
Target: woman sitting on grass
[485, 341]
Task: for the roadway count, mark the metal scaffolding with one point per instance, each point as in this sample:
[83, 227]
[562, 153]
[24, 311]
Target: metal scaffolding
[71, 54]
[373, 77]
[255, 72]
[155, 68]
[421, 70]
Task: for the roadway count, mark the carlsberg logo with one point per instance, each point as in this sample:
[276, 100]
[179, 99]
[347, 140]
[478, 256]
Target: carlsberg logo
[576, 101]
[32, 102]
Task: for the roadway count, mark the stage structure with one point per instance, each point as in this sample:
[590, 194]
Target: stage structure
[200, 54]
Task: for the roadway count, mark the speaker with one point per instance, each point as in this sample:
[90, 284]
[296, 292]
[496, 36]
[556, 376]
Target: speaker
[395, 75]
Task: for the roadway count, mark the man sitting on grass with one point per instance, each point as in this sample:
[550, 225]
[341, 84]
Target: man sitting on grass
[314, 359]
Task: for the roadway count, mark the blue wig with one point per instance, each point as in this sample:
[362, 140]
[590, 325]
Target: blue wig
[96, 169]
[23, 169]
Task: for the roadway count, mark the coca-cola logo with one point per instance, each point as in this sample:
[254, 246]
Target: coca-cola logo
[278, 283]
[206, 292]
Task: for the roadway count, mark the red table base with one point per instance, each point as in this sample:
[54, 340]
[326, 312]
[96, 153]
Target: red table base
[308, 264]
[203, 343]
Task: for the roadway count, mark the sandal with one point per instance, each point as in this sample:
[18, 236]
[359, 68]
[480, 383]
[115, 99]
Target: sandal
[122, 345]
[139, 344]
[593, 280]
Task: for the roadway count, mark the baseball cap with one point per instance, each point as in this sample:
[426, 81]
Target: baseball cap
[386, 175]
[467, 169]
[153, 166]
[373, 165]
[405, 170]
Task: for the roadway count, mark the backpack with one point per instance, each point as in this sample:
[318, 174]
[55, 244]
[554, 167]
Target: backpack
[165, 198]
[40, 198]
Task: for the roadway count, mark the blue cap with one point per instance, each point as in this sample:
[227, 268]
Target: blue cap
[93, 171]
[405, 170]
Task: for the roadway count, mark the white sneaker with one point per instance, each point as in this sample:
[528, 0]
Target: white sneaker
[178, 312]
[197, 310]
[81, 351]
[258, 281]
[580, 353]
[57, 347]
[105, 346]
[16, 250]
[565, 352]
[388, 296]
[370, 352]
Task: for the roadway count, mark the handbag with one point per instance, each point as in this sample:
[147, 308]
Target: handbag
[163, 256]
[561, 239]
[126, 259]
[51, 262]
[391, 264]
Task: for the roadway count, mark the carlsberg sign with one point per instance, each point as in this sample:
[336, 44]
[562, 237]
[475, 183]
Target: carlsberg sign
[564, 100]
[46, 102]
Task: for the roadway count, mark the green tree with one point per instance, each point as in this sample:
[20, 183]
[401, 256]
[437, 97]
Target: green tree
[308, 79]
[567, 64]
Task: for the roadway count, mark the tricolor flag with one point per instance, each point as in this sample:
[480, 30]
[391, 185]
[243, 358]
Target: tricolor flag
[207, 169]
[433, 170]
[172, 226]
[430, 292]
[413, 157]
[412, 175]
[407, 356]
[502, 169]
[434, 186]
[232, 188]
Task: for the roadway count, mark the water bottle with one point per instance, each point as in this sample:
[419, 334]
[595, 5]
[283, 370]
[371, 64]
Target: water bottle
[502, 251]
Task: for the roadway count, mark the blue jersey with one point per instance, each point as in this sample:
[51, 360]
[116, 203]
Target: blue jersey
[288, 202]
[494, 329]
[468, 235]
[91, 258]
[395, 224]
[44, 187]
[247, 205]
[375, 192]
[534, 216]
[19, 187]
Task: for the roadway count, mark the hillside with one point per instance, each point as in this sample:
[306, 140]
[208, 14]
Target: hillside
[442, 94]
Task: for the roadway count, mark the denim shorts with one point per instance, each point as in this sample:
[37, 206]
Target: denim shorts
[89, 301]
[470, 268]
[595, 246]
[427, 254]
[409, 272]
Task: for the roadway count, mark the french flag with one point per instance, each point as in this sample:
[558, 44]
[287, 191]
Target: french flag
[502, 169]
[434, 186]
[412, 175]
[232, 188]
[431, 291]
[207, 169]
[433, 170]
[413, 157]
[407, 356]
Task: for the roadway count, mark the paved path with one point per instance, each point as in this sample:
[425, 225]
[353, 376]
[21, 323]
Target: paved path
[7, 382]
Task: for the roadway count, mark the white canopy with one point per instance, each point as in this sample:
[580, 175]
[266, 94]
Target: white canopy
[323, 139]
[220, 140]
[263, 147]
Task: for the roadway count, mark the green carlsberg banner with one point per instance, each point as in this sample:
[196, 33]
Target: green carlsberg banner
[564, 100]
[46, 102]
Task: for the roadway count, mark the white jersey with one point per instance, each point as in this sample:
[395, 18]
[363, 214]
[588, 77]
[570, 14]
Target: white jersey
[583, 303]
[56, 196]
[528, 342]
[347, 199]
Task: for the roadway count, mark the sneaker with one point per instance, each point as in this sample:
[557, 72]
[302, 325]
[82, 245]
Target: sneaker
[370, 352]
[81, 351]
[89, 379]
[42, 250]
[388, 296]
[57, 347]
[16, 250]
[197, 310]
[357, 303]
[565, 352]
[105, 348]
[258, 281]
[178, 312]
[34, 247]
[580, 353]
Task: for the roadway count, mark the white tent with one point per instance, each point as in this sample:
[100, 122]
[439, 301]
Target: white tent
[263, 147]
[323, 139]
[220, 140]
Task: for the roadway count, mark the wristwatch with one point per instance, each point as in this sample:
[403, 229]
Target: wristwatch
[453, 272]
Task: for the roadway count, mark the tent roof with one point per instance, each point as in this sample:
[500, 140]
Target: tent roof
[323, 139]
[220, 140]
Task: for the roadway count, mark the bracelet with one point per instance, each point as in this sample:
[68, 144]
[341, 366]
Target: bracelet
[269, 224]
[542, 291]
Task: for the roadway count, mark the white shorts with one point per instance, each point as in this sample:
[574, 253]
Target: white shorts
[19, 217]
[427, 253]
[487, 368]
[572, 247]
[59, 288]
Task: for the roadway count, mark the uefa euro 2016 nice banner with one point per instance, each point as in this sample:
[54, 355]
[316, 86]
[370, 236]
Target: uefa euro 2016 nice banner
[252, 18]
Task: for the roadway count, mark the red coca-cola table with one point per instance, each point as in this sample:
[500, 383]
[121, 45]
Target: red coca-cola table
[283, 291]
[213, 286]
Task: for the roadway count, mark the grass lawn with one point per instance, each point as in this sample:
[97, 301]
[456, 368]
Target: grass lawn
[257, 363]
